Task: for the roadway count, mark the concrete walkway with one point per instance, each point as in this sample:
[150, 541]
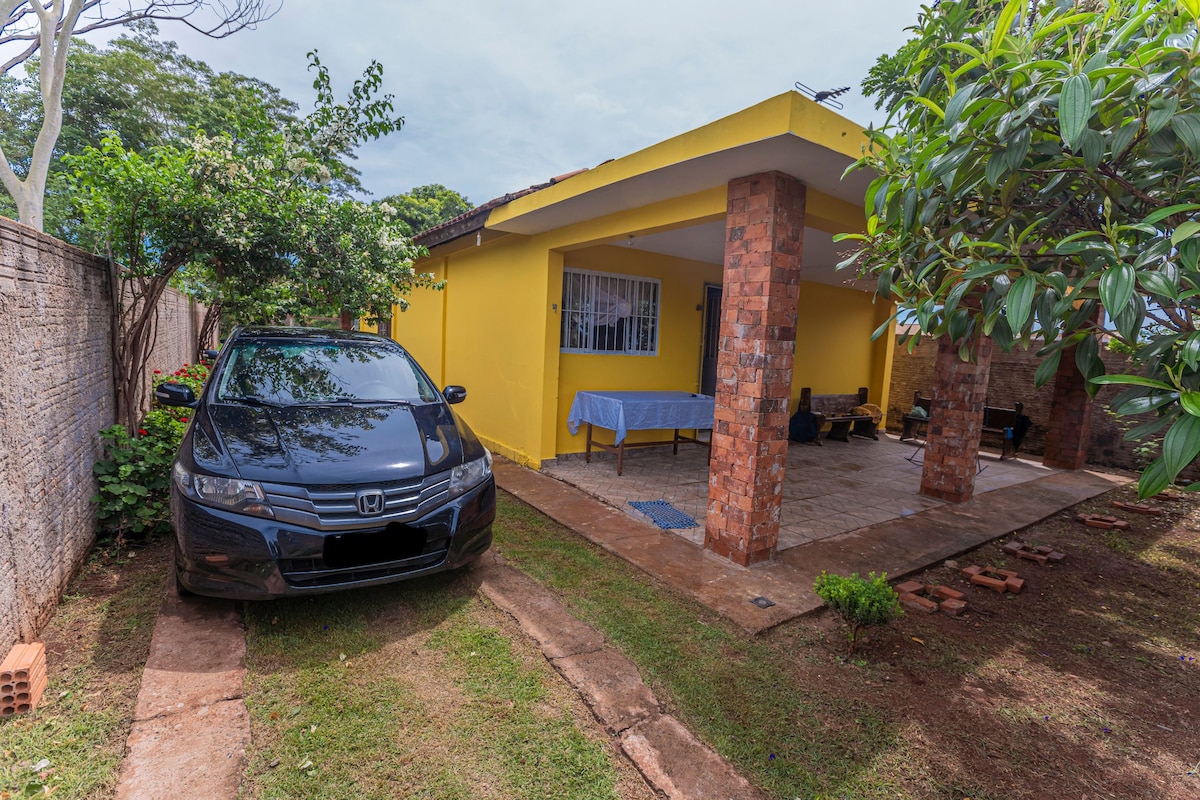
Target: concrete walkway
[190, 725]
[898, 547]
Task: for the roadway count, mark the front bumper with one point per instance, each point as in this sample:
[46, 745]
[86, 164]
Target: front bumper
[241, 557]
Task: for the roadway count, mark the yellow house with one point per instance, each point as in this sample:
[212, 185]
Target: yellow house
[703, 263]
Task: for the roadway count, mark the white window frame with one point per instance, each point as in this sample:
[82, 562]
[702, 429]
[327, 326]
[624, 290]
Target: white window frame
[583, 317]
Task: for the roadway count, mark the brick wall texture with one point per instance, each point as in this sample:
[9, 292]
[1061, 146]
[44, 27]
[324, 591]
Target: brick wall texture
[1011, 380]
[55, 395]
[764, 237]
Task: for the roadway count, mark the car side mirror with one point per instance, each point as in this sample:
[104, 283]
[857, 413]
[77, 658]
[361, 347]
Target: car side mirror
[176, 394]
[454, 394]
[211, 355]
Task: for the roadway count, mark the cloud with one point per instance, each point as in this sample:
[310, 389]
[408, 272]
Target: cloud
[499, 96]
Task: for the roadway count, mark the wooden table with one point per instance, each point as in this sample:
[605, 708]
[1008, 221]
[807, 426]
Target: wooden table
[626, 411]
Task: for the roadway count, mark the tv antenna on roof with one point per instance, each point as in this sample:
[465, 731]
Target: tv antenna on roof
[826, 96]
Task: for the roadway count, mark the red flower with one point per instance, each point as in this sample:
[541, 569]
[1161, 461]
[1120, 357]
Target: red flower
[158, 372]
[183, 419]
[142, 432]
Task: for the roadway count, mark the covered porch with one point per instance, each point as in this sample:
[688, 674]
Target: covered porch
[827, 491]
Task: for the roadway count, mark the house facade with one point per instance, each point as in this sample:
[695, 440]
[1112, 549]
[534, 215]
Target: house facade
[703, 263]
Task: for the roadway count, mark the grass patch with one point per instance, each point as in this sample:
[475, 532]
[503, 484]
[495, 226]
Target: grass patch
[738, 693]
[96, 647]
[418, 690]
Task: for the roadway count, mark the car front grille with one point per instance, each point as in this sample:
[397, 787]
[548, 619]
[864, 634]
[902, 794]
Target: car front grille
[364, 555]
[333, 507]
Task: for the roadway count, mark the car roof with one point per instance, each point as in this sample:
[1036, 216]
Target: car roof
[331, 335]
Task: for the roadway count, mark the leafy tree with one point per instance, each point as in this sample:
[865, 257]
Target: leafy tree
[1040, 179]
[38, 27]
[427, 206]
[144, 90]
[239, 217]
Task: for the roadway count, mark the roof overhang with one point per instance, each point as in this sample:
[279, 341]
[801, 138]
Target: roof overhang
[788, 133]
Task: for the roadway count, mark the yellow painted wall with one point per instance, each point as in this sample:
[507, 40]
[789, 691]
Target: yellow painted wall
[421, 328]
[489, 335]
[677, 365]
[834, 351]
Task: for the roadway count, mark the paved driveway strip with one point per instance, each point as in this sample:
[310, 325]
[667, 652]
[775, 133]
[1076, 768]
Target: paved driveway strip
[190, 725]
[674, 761]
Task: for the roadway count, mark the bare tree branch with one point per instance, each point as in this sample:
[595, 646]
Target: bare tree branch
[47, 27]
[213, 18]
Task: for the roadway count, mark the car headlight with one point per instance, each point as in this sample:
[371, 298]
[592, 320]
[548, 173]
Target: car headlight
[230, 494]
[466, 477]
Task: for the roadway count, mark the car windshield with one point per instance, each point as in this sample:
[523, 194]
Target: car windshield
[285, 373]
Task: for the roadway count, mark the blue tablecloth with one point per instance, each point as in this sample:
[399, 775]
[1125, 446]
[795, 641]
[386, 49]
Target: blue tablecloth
[641, 411]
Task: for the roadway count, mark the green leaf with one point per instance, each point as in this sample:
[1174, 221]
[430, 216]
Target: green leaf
[1190, 402]
[1019, 302]
[1154, 479]
[1047, 369]
[1003, 25]
[1092, 145]
[1134, 380]
[1074, 109]
[1116, 287]
[1163, 213]
[1121, 138]
[1185, 231]
[957, 103]
[1181, 444]
[1187, 128]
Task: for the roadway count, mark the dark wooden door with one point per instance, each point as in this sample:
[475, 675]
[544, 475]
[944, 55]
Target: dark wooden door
[712, 339]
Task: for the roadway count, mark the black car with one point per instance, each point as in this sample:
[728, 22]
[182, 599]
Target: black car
[319, 460]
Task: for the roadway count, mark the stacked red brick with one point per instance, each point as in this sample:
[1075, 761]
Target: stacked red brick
[931, 597]
[22, 679]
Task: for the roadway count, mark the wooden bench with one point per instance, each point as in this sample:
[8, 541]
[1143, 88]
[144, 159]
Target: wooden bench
[996, 419]
[838, 411]
[1003, 421]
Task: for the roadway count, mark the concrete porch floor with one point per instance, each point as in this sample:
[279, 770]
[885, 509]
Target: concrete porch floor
[828, 490]
[1012, 495]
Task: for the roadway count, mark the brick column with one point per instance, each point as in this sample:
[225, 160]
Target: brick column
[764, 235]
[1070, 417]
[955, 421]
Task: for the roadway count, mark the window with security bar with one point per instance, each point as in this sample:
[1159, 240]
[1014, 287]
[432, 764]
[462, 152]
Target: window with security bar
[606, 313]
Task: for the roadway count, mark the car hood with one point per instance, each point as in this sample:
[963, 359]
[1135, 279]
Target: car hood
[329, 444]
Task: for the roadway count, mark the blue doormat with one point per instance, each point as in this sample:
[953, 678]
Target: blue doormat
[664, 514]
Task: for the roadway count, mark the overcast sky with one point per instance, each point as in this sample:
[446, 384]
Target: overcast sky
[498, 95]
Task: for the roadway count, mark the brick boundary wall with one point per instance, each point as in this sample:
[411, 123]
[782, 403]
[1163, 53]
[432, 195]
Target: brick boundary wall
[1010, 381]
[55, 395]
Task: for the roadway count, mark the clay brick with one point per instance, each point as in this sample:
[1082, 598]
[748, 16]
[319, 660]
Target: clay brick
[910, 587]
[1055, 557]
[915, 603]
[971, 571]
[994, 584]
[1092, 522]
[953, 607]
[1004, 573]
[1014, 585]
[1013, 547]
[1038, 557]
[946, 593]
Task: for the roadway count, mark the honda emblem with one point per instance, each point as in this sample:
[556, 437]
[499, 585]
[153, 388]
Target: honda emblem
[370, 502]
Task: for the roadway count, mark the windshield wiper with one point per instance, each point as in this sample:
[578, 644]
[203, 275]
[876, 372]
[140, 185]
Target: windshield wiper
[359, 401]
[252, 400]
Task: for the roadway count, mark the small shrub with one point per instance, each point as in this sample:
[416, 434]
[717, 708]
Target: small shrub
[134, 474]
[862, 602]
